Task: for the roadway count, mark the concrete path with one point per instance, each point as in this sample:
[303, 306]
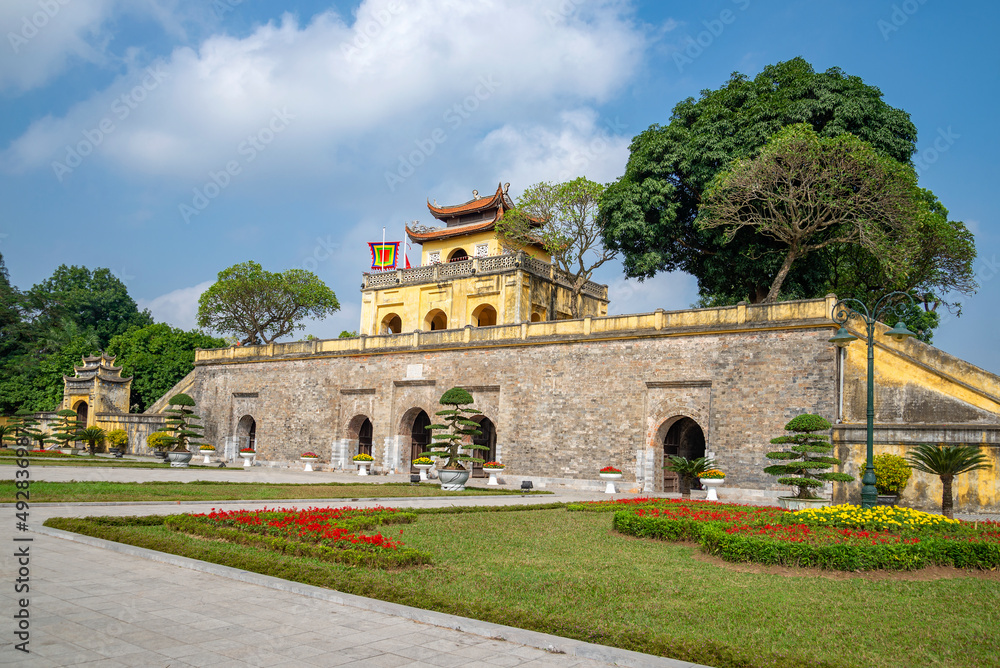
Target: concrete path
[94, 603]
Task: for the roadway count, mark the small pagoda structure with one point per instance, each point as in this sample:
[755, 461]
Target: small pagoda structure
[96, 387]
[467, 278]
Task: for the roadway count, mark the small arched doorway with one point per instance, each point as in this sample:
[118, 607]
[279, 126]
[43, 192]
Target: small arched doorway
[420, 438]
[684, 438]
[246, 433]
[484, 316]
[458, 255]
[435, 320]
[391, 324]
[487, 438]
[365, 438]
[81, 414]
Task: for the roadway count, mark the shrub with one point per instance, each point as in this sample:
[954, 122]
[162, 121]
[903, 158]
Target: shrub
[891, 473]
[158, 440]
[118, 438]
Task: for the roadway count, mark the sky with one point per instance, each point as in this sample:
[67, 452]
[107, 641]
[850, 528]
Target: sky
[169, 139]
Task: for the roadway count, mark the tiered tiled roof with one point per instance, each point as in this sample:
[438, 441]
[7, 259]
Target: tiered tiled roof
[102, 367]
[495, 204]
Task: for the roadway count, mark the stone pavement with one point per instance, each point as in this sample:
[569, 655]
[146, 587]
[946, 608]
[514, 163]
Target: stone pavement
[99, 604]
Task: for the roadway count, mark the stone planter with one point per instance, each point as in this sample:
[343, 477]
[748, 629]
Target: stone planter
[206, 456]
[308, 461]
[248, 458]
[610, 478]
[161, 455]
[363, 467]
[179, 459]
[887, 499]
[453, 480]
[710, 484]
[423, 468]
[493, 475]
[795, 503]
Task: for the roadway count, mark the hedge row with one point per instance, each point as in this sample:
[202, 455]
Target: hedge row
[740, 547]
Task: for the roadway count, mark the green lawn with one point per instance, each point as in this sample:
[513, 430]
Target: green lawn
[42, 492]
[569, 574]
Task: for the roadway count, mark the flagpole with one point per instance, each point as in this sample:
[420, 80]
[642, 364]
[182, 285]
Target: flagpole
[383, 246]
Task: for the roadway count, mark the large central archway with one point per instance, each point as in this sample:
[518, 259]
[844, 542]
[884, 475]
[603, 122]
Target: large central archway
[246, 433]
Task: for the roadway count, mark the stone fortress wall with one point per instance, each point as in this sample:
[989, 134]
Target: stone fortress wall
[571, 396]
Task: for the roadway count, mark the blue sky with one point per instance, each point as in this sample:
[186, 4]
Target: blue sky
[170, 139]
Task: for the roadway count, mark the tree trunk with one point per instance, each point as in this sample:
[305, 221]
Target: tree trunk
[786, 266]
[947, 508]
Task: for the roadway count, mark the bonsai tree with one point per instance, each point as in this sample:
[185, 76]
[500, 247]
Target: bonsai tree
[446, 445]
[67, 428]
[688, 470]
[92, 436]
[118, 439]
[946, 462]
[182, 426]
[891, 473]
[806, 461]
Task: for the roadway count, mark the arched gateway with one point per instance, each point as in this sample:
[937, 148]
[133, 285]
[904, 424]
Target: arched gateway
[681, 436]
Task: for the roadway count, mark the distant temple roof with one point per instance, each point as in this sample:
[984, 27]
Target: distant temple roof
[102, 367]
[479, 214]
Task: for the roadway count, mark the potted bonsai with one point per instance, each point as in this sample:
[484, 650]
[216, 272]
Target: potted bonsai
[67, 427]
[805, 462]
[182, 429]
[688, 470]
[158, 443]
[891, 475]
[447, 439]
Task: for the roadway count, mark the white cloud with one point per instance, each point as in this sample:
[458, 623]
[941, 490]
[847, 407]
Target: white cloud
[178, 308]
[393, 70]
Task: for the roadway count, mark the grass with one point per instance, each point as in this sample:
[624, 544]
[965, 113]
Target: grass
[569, 574]
[66, 492]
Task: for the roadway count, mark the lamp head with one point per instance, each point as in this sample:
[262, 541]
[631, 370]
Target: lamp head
[843, 338]
[899, 332]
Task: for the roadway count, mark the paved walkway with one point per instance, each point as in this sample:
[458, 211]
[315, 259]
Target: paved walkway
[98, 604]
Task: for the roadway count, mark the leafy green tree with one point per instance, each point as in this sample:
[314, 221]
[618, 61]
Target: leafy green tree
[562, 218]
[93, 300]
[650, 212]
[946, 462]
[261, 306]
[35, 382]
[809, 192]
[157, 356]
[6, 434]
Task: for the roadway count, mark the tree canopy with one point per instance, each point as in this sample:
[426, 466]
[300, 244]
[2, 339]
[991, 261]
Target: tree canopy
[562, 218]
[650, 213]
[261, 306]
[157, 356]
[809, 193]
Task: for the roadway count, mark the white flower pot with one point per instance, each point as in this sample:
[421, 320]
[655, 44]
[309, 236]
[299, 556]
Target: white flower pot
[493, 476]
[611, 478]
[308, 462]
[207, 456]
[363, 467]
[710, 484]
[248, 458]
[423, 468]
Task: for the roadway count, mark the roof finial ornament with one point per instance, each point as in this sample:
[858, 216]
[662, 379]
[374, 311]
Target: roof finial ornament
[475, 194]
[506, 187]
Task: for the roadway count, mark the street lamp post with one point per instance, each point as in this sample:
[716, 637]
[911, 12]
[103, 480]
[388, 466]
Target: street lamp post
[844, 310]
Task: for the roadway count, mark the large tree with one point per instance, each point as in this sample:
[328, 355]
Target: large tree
[94, 300]
[562, 218]
[157, 357]
[650, 212]
[809, 193]
[260, 306]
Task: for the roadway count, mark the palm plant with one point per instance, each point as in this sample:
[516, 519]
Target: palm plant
[6, 434]
[946, 462]
[688, 469]
[92, 436]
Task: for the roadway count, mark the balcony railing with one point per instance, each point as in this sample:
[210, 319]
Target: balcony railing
[492, 264]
